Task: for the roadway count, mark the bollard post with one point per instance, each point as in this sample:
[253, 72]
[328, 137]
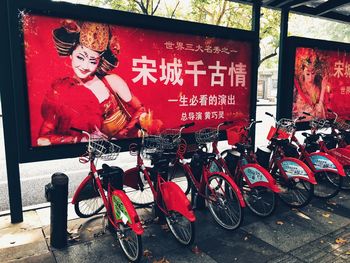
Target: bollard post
[57, 193]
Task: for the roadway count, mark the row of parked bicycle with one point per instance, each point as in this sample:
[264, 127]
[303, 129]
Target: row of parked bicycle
[227, 181]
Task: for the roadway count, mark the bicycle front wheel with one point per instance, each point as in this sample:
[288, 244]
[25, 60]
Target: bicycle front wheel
[328, 184]
[296, 192]
[223, 202]
[130, 242]
[178, 175]
[346, 180]
[260, 200]
[182, 229]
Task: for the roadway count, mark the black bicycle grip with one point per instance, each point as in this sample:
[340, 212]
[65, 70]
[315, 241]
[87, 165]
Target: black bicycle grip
[76, 129]
[301, 118]
[306, 113]
[258, 121]
[269, 114]
[187, 125]
[329, 110]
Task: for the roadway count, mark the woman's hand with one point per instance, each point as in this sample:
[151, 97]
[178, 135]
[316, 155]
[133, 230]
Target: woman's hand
[319, 110]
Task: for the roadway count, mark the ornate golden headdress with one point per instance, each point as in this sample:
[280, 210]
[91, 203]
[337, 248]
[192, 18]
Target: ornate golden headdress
[94, 36]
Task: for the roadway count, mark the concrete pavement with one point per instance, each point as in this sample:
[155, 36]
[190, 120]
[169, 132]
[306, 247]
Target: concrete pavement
[318, 233]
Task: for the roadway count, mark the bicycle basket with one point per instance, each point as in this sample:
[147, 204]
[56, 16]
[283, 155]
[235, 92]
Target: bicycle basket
[170, 138]
[319, 123]
[102, 148]
[286, 125]
[234, 135]
[152, 144]
[342, 125]
[207, 135]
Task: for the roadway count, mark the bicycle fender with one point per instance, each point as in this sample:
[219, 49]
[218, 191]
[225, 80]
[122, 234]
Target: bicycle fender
[341, 154]
[131, 178]
[255, 175]
[294, 168]
[175, 200]
[77, 192]
[325, 162]
[123, 210]
[234, 186]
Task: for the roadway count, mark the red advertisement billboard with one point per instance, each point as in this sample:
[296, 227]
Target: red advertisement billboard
[105, 78]
[321, 82]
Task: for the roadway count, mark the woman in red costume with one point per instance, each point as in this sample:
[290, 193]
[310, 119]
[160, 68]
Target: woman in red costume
[312, 89]
[92, 99]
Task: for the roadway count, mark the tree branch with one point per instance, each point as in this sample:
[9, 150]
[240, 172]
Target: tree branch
[268, 56]
[142, 7]
[155, 9]
[204, 10]
[173, 13]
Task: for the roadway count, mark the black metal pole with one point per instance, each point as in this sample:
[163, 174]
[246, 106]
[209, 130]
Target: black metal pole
[9, 117]
[57, 193]
[282, 55]
[255, 60]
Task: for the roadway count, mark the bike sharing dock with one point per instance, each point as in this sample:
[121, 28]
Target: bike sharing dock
[319, 232]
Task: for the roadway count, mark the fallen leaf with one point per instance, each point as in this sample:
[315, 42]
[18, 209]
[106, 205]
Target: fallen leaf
[302, 215]
[279, 223]
[347, 252]
[340, 240]
[331, 202]
[245, 238]
[330, 222]
[147, 253]
[196, 250]
[162, 260]
[321, 241]
[326, 215]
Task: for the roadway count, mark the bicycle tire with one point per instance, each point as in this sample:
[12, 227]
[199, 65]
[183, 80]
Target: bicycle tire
[179, 176]
[292, 187]
[89, 201]
[328, 184]
[142, 197]
[346, 180]
[130, 242]
[260, 200]
[222, 200]
[182, 229]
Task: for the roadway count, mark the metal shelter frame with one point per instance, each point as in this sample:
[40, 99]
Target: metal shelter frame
[331, 9]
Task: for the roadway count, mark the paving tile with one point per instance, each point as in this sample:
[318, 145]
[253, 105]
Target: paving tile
[42, 258]
[285, 258]
[101, 250]
[30, 221]
[285, 231]
[238, 246]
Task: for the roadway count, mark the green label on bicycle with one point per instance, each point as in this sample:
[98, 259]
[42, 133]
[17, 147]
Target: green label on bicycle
[120, 210]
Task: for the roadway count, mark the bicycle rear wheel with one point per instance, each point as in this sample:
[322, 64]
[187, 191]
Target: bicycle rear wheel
[130, 242]
[182, 229]
[346, 179]
[223, 202]
[142, 197]
[328, 184]
[89, 201]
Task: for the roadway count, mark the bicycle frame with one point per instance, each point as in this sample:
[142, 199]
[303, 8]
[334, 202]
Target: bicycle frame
[254, 174]
[318, 161]
[168, 192]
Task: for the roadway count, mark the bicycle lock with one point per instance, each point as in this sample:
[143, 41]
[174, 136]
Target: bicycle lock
[56, 192]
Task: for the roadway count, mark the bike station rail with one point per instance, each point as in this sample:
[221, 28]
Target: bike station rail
[319, 232]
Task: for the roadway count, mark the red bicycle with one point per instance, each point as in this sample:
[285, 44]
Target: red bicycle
[222, 195]
[326, 169]
[295, 178]
[327, 143]
[104, 188]
[255, 182]
[168, 198]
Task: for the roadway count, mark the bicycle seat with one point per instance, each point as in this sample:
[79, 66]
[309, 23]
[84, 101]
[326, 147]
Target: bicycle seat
[206, 156]
[241, 147]
[280, 142]
[311, 137]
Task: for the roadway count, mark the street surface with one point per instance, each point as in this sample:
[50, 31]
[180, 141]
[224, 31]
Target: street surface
[34, 176]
